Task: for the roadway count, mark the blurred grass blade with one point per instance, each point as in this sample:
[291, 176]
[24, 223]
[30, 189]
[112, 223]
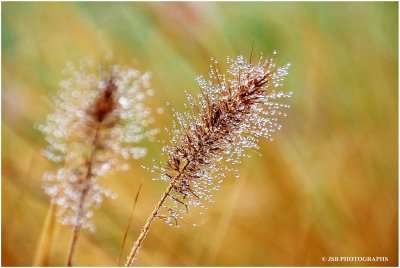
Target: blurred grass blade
[25, 185]
[129, 224]
[46, 237]
[224, 223]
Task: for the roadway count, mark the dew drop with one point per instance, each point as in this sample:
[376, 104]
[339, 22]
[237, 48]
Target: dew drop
[160, 110]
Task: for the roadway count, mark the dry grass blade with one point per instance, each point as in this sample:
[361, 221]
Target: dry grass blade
[46, 237]
[129, 224]
[222, 228]
[10, 218]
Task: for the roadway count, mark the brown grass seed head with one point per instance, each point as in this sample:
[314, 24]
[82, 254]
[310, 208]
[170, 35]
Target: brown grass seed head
[233, 110]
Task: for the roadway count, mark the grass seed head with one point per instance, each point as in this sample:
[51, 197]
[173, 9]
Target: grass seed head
[99, 116]
[233, 111]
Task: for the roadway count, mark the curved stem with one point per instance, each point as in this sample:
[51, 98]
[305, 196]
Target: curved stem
[72, 245]
[89, 174]
[150, 219]
[146, 227]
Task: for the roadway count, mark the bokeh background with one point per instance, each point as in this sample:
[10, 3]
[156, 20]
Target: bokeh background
[327, 185]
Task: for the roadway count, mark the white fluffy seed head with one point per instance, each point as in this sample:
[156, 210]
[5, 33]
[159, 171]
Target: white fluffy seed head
[111, 101]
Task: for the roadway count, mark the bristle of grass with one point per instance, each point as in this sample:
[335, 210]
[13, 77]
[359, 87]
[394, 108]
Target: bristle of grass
[128, 225]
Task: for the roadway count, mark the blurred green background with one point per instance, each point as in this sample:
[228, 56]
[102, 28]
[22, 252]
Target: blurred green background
[327, 185]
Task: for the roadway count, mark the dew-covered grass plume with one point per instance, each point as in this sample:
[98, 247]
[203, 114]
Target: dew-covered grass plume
[232, 112]
[100, 115]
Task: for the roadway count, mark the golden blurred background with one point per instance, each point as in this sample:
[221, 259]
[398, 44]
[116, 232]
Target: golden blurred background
[327, 185]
